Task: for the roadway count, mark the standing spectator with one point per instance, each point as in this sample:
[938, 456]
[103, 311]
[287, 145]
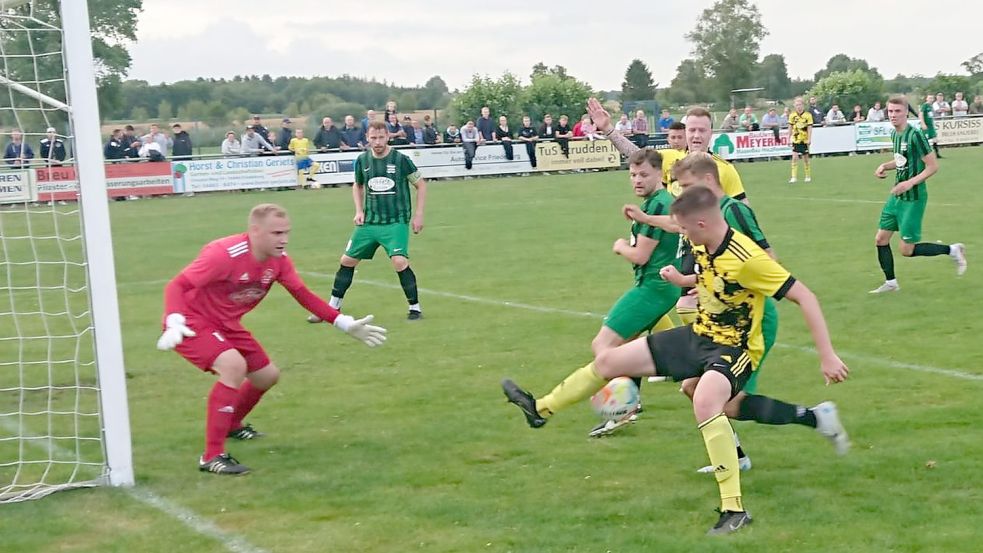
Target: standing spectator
[254, 143]
[748, 121]
[417, 138]
[470, 138]
[182, 143]
[547, 130]
[529, 135]
[623, 126]
[976, 108]
[858, 114]
[834, 116]
[352, 137]
[959, 106]
[770, 122]
[301, 148]
[18, 152]
[783, 118]
[52, 148]
[131, 143]
[452, 135]
[163, 141]
[876, 113]
[485, 125]
[730, 123]
[665, 121]
[231, 145]
[397, 136]
[430, 134]
[563, 135]
[639, 129]
[113, 150]
[816, 111]
[273, 138]
[328, 136]
[369, 117]
[504, 135]
[286, 134]
[409, 130]
[261, 130]
[941, 108]
[391, 109]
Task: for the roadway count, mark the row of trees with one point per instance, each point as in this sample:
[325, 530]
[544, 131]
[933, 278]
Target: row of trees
[726, 45]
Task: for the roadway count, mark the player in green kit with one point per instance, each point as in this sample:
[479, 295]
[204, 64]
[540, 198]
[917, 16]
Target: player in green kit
[928, 124]
[638, 309]
[648, 250]
[383, 216]
[913, 164]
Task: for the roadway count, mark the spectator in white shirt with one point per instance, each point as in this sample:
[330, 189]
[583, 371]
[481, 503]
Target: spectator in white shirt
[940, 108]
[960, 108]
[623, 125]
[834, 116]
[876, 113]
[231, 145]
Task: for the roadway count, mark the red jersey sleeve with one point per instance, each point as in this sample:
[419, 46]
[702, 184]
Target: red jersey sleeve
[207, 267]
[309, 300]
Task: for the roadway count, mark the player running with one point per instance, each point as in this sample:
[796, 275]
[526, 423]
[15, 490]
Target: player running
[203, 308]
[722, 348]
[800, 125]
[383, 176]
[927, 122]
[913, 164]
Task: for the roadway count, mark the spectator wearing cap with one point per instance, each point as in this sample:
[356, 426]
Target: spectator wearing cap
[52, 148]
[155, 135]
[254, 143]
[959, 106]
[286, 134]
[114, 148]
[328, 136]
[130, 142]
[259, 128]
[352, 137]
[231, 145]
[182, 143]
[18, 152]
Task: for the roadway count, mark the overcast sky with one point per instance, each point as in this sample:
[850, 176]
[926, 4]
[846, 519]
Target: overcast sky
[408, 41]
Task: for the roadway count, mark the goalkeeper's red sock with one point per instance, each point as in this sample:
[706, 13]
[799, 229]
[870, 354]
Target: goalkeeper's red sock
[218, 419]
[249, 396]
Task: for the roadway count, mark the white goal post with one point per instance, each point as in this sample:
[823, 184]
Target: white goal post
[59, 310]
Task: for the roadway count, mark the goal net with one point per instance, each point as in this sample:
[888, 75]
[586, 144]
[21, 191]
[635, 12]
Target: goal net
[63, 415]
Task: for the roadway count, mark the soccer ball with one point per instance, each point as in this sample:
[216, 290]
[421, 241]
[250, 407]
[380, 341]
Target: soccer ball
[616, 399]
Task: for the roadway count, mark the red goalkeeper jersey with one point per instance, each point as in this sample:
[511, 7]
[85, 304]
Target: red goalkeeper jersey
[226, 281]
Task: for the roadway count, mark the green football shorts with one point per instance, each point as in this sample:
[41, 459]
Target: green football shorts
[904, 216]
[394, 238]
[769, 329]
[638, 309]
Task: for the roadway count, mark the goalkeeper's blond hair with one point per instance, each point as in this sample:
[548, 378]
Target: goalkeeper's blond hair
[261, 212]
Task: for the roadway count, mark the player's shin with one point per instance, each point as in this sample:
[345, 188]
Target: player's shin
[719, 439]
[249, 396]
[407, 279]
[765, 410]
[580, 385]
[928, 249]
[218, 419]
[342, 281]
[886, 260]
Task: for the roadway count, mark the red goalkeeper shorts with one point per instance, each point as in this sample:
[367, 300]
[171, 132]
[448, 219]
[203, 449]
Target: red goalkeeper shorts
[211, 340]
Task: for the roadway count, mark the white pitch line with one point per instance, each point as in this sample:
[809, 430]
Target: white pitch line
[954, 373]
[843, 200]
[186, 516]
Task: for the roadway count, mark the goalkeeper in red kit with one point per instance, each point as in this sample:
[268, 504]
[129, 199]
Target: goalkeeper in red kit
[203, 306]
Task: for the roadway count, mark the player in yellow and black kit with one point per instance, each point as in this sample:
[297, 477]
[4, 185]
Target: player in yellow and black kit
[722, 348]
[800, 125]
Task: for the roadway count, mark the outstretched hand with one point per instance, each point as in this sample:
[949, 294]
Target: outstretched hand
[599, 115]
[361, 330]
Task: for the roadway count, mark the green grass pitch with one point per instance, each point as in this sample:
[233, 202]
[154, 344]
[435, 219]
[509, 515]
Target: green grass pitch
[412, 447]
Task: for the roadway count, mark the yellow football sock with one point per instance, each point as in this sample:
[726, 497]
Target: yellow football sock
[686, 314]
[808, 171]
[665, 323]
[719, 439]
[795, 169]
[581, 384]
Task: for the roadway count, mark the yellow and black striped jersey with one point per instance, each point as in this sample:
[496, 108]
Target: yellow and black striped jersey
[730, 180]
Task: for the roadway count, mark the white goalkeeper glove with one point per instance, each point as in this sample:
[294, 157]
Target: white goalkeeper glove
[175, 331]
[361, 330]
